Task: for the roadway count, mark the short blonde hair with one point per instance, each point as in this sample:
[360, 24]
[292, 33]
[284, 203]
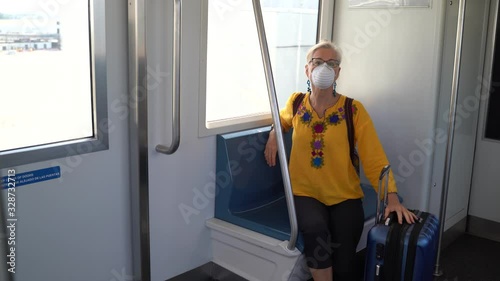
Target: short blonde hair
[324, 44]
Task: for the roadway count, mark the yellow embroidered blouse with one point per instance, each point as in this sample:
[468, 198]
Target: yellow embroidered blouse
[320, 164]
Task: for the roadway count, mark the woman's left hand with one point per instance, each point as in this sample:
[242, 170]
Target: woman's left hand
[393, 205]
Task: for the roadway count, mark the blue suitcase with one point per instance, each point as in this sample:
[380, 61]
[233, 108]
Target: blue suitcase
[401, 252]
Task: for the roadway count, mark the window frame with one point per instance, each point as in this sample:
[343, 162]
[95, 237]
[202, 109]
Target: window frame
[324, 31]
[100, 139]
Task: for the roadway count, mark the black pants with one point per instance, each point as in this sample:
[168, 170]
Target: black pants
[331, 234]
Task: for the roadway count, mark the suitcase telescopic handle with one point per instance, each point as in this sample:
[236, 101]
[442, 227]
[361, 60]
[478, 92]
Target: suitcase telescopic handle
[384, 174]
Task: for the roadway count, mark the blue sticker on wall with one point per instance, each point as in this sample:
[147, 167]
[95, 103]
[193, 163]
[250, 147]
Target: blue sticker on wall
[32, 176]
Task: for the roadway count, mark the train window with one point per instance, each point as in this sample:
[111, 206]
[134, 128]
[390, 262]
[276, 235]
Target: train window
[51, 102]
[492, 129]
[236, 91]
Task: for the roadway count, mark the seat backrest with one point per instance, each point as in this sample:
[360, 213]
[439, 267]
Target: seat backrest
[244, 178]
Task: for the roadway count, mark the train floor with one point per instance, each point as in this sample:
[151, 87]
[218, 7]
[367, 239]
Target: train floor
[471, 258]
[468, 258]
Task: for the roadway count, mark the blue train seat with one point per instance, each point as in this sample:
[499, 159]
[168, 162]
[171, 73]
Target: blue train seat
[250, 194]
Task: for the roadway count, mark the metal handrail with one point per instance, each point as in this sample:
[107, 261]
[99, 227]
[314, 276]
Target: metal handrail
[266, 60]
[384, 174]
[451, 129]
[176, 84]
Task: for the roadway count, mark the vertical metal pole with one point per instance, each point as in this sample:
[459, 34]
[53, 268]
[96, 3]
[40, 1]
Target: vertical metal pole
[138, 130]
[384, 174]
[451, 129]
[320, 20]
[266, 60]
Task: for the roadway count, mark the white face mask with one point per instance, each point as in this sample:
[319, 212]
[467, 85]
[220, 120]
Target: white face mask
[323, 76]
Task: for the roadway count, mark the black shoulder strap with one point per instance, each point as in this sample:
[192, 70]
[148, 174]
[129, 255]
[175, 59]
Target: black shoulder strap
[412, 246]
[350, 133]
[297, 101]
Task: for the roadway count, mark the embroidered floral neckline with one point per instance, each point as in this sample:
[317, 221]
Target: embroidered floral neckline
[319, 128]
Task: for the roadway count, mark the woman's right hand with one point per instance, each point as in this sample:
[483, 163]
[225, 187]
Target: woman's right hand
[271, 149]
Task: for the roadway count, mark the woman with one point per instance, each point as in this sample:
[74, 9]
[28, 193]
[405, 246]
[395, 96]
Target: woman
[326, 185]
